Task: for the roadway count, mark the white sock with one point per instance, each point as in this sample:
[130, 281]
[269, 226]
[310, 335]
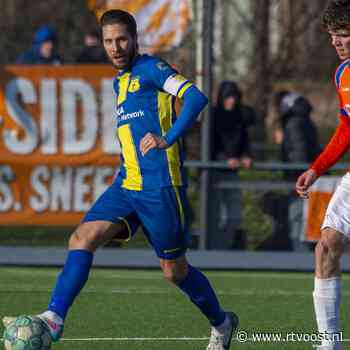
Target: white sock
[222, 327]
[327, 297]
[52, 316]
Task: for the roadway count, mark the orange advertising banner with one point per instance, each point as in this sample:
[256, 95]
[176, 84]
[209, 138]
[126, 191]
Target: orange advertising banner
[315, 207]
[58, 145]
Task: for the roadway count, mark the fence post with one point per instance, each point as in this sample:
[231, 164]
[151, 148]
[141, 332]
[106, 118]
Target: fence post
[207, 34]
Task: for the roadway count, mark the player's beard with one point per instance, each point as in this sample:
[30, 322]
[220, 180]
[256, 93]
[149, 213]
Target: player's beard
[129, 58]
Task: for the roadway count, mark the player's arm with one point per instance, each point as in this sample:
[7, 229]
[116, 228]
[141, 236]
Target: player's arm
[167, 79]
[193, 103]
[337, 146]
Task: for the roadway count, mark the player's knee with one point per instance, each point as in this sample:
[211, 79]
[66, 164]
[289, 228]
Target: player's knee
[80, 240]
[75, 241]
[321, 249]
[174, 273]
[329, 249]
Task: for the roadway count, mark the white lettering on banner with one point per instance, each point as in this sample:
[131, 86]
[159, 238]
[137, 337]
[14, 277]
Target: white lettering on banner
[72, 142]
[82, 188]
[110, 142]
[74, 93]
[39, 176]
[6, 195]
[48, 120]
[61, 189]
[16, 144]
[67, 189]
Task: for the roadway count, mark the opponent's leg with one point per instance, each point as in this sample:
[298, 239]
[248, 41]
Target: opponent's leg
[197, 287]
[327, 290]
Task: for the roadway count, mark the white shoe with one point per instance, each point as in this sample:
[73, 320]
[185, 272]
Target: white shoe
[222, 341]
[55, 329]
[326, 347]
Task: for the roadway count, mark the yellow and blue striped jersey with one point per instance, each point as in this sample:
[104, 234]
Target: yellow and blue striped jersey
[146, 94]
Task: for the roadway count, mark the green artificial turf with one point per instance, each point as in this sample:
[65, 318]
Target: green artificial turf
[130, 304]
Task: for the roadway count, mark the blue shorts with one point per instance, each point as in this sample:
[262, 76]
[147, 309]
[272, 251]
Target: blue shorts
[161, 212]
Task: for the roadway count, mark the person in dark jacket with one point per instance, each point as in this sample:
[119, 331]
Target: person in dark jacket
[43, 50]
[299, 143]
[231, 119]
[93, 52]
[230, 144]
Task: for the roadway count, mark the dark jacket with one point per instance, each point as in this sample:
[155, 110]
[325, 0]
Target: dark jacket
[33, 56]
[300, 141]
[230, 137]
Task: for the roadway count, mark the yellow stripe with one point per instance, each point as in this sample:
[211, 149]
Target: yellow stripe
[181, 209]
[125, 240]
[173, 153]
[184, 89]
[124, 81]
[133, 179]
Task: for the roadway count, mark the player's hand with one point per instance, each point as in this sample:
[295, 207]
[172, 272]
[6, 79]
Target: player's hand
[150, 141]
[305, 180]
[233, 163]
[246, 162]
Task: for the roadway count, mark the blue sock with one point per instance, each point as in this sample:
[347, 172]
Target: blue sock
[70, 281]
[201, 293]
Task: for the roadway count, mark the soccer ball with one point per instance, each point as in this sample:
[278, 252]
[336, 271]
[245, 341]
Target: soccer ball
[27, 333]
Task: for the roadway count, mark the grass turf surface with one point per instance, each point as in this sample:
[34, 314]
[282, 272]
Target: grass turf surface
[140, 304]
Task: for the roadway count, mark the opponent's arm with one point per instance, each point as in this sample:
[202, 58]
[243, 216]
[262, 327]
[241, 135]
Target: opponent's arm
[337, 146]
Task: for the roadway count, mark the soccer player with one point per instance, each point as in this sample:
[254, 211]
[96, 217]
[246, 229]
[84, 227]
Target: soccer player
[335, 231]
[150, 187]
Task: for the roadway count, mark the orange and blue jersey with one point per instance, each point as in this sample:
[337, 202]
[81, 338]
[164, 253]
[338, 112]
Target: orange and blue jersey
[342, 83]
[146, 95]
[340, 141]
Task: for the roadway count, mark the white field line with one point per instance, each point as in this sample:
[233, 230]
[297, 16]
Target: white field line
[134, 275]
[136, 339]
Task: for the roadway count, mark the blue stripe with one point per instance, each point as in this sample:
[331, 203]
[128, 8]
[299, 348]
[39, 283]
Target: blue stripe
[181, 86]
[339, 72]
[344, 112]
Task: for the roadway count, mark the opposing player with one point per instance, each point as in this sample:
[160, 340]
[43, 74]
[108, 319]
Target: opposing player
[335, 231]
[150, 187]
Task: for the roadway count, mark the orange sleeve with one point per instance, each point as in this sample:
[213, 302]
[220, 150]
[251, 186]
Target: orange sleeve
[337, 146]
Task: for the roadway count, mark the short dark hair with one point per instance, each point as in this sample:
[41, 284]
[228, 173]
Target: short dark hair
[337, 15]
[119, 17]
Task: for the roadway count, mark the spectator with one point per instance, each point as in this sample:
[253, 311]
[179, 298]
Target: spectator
[93, 52]
[43, 50]
[230, 144]
[298, 135]
[299, 143]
